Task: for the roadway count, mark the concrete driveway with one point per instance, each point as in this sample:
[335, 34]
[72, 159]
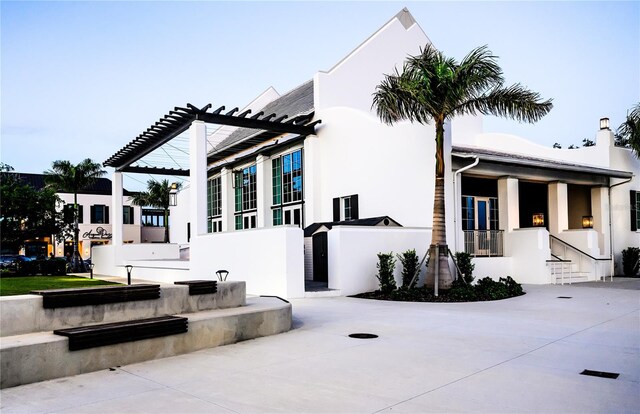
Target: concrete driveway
[519, 355]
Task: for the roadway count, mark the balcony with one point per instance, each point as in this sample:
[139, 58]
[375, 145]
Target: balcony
[484, 243]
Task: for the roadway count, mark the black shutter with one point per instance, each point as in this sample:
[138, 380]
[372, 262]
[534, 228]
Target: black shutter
[634, 211]
[336, 209]
[80, 213]
[132, 219]
[106, 214]
[93, 214]
[68, 213]
[188, 232]
[355, 215]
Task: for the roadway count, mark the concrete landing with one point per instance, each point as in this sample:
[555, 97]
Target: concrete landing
[517, 355]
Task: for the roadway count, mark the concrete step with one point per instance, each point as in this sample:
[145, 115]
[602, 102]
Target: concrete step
[328, 293]
[40, 356]
[576, 277]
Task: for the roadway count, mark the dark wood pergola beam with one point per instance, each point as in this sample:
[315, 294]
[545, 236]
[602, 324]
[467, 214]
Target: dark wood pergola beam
[180, 119]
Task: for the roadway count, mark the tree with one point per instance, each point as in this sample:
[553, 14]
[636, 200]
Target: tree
[557, 145]
[66, 177]
[588, 142]
[26, 212]
[629, 130]
[157, 195]
[435, 88]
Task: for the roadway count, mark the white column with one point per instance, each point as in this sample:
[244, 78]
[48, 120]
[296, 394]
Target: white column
[226, 189]
[508, 203]
[558, 208]
[117, 227]
[198, 178]
[600, 211]
[263, 177]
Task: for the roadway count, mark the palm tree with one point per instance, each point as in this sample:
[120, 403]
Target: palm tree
[157, 195]
[629, 130]
[66, 177]
[433, 87]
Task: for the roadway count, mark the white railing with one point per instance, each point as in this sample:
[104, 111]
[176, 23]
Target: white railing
[484, 243]
[579, 261]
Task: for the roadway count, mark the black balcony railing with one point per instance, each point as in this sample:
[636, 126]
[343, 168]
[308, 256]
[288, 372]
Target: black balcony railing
[484, 243]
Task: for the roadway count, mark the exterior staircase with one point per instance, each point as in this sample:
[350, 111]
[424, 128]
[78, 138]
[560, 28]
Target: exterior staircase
[569, 264]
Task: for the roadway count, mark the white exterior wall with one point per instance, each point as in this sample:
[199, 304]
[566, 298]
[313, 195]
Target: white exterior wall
[351, 81]
[353, 250]
[269, 260]
[179, 217]
[388, 167]
[529, 252]
[622, 235]
[131, 232]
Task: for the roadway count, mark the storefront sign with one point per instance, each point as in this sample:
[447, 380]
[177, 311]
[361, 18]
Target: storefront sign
[100, 233]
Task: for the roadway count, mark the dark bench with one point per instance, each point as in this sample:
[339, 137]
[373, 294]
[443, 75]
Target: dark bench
[200, 287]
[64, 298]
[114, 333]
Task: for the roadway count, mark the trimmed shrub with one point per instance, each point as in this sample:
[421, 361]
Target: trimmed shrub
[513, 288]
[386, 265]
[631, 261]
[409, 261]
[466, 267]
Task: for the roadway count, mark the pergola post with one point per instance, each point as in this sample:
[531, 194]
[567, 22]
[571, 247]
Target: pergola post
[198, 177]
[116, 211]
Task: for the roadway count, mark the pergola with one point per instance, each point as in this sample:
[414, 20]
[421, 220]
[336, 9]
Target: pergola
[193, 119]
[180, 119]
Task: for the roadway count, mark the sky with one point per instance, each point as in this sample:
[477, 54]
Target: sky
[82, 79]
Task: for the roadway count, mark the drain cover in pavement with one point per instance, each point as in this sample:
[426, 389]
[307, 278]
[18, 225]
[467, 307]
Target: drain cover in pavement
[565, 297]
[363, 336]
[601, 374]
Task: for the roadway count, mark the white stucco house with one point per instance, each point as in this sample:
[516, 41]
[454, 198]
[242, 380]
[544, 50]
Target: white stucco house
[95, 221]
[314, 196]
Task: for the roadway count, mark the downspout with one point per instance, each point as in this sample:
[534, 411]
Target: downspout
[611, 225]
[455, 195]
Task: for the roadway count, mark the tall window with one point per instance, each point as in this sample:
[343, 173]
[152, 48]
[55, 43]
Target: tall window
[99, 214]
[468, 213]
[67, 212]
[127, 215]
[635, 210]
[214, 205]
[287, 188]
[475, 215]
[245, 183]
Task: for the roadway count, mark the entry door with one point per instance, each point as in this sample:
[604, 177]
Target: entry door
[320, 262]
[483, 235]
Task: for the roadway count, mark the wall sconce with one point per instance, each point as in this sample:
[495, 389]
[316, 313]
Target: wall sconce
[538, 220]
[173, 195]
[604, 123]
[587, 222]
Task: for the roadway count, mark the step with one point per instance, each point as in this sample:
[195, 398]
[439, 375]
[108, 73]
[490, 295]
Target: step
[40, 356]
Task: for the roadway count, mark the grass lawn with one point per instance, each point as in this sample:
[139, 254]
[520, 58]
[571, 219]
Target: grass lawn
[22, 285]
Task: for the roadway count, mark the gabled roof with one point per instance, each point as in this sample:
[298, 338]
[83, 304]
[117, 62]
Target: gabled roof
[370, 222]
[101, 187]
[296, 103]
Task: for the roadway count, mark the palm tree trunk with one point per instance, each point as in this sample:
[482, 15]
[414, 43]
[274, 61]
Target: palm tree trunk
[439, 234]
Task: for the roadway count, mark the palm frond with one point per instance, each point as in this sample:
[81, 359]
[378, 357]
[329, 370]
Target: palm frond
[514, 102]
[630, 129]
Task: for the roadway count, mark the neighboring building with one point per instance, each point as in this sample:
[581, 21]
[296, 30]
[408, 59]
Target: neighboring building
[95, 220]
[358, 187]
